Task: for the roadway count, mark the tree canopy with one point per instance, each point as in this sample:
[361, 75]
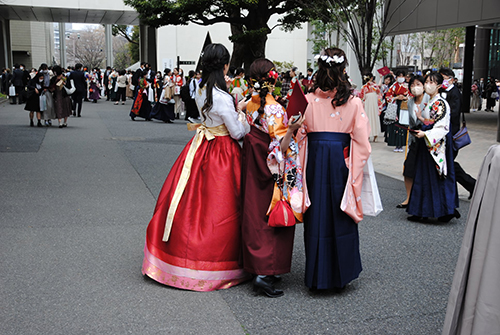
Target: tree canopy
[248, 19]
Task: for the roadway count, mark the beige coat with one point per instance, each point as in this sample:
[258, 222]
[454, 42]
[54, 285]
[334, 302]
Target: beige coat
[474, 301]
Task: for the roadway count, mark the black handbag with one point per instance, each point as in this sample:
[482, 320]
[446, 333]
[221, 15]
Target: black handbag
[461, 138]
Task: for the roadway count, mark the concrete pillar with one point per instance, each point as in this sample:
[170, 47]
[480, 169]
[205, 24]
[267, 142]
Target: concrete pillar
[147, 45]
[481, 52]
[109, 45]
[62, 44]
[5, 45]
[470, 33]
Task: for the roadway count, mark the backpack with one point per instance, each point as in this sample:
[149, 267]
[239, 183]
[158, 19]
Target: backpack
[185, 94]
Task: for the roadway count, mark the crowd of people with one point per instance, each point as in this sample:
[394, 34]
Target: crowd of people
[307, 169]
[313, 164]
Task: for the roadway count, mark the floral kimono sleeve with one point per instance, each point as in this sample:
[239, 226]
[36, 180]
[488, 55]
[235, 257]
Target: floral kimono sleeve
[360, 151]
[391, 94]
[285, 168]
[436, 128]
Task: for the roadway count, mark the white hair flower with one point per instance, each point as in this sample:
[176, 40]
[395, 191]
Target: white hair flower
[327, 59]
[256, 86]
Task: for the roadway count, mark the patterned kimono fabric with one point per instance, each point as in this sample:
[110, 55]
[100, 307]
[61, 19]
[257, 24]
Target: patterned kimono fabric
[141, 106]
[267, 250]
[434, 192]
[395, 136]
[331, 234]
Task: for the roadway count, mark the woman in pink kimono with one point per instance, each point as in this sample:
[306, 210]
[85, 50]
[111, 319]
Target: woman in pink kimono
[334, 147]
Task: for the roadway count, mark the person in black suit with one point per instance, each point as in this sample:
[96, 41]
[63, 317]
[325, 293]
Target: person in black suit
[454, 99]
[136, 76]
[106, 82]
[78, 77]
[17, 81]
[481, 87]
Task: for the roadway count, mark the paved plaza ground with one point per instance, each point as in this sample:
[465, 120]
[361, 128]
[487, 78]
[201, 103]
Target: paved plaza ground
[74, 207]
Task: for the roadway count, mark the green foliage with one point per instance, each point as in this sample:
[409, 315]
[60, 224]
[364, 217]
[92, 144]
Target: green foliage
[134, 48]
[248, 19]
[283, 66]
[322, 35]
[444, 46]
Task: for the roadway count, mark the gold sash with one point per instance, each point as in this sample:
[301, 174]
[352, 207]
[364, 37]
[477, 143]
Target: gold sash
[201, 132]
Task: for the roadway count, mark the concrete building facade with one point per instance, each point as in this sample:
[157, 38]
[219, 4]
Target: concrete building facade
[32, 43]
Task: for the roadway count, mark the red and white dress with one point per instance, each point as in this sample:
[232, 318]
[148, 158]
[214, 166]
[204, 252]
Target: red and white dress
[193, 241]
[372, 99]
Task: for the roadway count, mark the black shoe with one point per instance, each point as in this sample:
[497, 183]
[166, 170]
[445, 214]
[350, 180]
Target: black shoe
[31, 123]
[79, 115]
[60, 126]
[39, 124]
[415, 218]
[264, 284]
[74, 114]
[133, 118]
[447, 218]
[402, 206]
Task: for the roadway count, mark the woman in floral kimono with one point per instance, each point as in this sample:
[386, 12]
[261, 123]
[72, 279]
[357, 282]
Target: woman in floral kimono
[141, 106]
[372, 99]
[334, 147]
[434, 192]
[269, 159]
[397, 94]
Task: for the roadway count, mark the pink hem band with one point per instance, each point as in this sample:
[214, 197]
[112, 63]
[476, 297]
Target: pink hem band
[189, 279]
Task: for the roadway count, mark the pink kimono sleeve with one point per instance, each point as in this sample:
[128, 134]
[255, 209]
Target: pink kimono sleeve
[360, 151]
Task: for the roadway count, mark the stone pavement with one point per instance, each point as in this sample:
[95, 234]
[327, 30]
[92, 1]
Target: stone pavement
[75, 203]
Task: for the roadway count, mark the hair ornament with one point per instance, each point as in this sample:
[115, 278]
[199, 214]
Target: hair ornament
[273, 74]
[329, 59]
[256, 86]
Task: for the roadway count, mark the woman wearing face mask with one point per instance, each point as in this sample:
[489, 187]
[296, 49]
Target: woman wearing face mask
[433, 193]
[416, 104]
[397, 94]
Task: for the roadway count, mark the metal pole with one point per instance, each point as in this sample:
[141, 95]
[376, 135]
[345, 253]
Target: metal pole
[109, 45]
[470, 36]
[62, 44]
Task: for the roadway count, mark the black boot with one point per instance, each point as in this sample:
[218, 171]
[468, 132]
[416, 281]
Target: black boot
[39, 124]
[265, 284]
[31, 123]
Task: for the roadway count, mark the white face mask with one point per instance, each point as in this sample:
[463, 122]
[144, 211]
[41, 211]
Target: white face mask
[417, 91]
[430, 89]
[401, 80]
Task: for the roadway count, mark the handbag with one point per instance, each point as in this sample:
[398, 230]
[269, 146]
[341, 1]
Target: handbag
[12, 91]
[43, 102]
[71, 89]
[494, 95]
[370, 196]
[282, 214]
[391, 112]
[461, 138]
[404, 117]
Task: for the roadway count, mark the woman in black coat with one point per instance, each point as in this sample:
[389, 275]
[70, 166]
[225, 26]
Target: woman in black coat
[35, 87]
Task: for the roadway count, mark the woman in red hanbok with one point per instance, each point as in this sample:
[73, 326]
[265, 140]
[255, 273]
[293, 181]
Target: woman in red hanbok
[193, 241]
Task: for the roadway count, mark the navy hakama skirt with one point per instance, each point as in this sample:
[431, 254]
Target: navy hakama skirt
[331, 236]
[431, 195]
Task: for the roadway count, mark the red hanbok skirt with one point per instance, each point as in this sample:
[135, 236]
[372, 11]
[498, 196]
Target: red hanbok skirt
[204, 247]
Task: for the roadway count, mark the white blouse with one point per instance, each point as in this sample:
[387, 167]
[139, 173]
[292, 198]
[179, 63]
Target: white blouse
[223, 112]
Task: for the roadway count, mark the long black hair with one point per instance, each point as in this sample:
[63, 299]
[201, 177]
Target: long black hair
[215, 57]
[331, 75]
[261, 80]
